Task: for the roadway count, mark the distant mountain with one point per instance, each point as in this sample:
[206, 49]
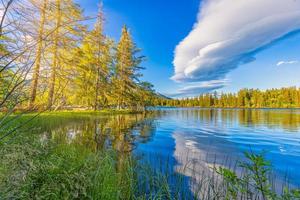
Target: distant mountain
[163, 96]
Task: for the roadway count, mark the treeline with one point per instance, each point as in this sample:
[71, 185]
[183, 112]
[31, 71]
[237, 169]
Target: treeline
[50, 59]
[245, 98]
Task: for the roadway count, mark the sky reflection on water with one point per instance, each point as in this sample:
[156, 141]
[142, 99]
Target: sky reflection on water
[201, 136]
[221, 136]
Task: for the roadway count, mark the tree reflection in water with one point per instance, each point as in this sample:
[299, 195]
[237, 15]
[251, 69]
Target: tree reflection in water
[120, 133]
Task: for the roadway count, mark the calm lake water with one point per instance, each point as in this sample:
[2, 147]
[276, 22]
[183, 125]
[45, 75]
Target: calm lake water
[201, 136]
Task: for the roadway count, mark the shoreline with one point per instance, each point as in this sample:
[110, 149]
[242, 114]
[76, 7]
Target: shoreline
[98, 112]
[240, 108]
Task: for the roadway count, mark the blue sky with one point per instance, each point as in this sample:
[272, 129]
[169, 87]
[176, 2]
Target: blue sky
[159, 26]
[264, 73]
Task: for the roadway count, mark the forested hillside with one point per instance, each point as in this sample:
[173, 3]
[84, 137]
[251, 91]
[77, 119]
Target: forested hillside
[245, 98]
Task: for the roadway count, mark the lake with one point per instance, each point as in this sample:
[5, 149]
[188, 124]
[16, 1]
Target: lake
[201, 136]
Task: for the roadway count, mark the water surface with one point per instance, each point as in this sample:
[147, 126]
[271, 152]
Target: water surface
[204, 136]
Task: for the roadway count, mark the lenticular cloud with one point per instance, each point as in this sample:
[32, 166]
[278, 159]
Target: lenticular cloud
[229, 32]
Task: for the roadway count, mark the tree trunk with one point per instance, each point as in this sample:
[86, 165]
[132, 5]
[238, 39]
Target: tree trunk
[36, 73]
[55, 56]
[97, 90]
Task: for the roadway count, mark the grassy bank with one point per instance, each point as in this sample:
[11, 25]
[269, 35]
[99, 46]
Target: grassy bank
[74, 112]
[47, 171]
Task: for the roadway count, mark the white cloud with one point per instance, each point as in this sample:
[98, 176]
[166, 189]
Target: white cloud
[287, 62]
[199, 88]
[229, 33]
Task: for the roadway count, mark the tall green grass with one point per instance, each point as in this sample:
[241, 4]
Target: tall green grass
[40, 171]
[60, 172]
[75, 172]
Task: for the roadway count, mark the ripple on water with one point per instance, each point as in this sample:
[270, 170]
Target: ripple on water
[230, 132]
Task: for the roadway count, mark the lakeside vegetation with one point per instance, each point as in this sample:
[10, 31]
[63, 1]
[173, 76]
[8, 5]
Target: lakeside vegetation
[51, 59]
[245, 98]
